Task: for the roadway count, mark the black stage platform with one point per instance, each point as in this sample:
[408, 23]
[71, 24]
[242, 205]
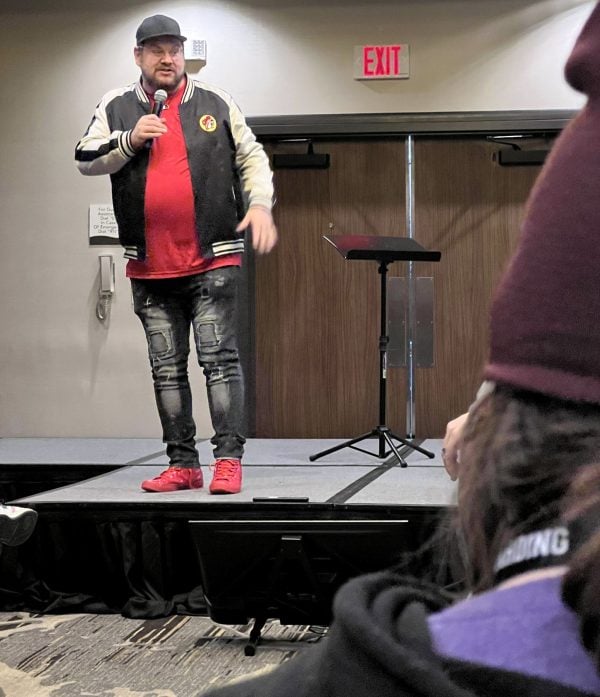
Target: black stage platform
[104, 545]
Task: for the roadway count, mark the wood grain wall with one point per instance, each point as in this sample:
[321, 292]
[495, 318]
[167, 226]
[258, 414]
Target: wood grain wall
[317, 315]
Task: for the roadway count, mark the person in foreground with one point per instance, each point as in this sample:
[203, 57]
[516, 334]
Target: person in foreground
[16, 524]
[529, 485]
[188, 177]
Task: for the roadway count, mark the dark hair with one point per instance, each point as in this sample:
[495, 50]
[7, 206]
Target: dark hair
[581, 585]
[528, 460]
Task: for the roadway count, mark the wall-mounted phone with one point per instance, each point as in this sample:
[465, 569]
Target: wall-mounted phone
[106, 286]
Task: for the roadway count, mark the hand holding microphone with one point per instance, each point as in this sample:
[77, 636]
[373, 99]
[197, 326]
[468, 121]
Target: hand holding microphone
[150, 126]
[160, 97]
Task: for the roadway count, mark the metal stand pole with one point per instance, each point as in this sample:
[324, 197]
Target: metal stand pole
[410, 287]
[383, 346]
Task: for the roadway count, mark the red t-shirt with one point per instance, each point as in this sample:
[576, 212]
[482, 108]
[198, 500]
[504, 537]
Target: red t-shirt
[172, 247]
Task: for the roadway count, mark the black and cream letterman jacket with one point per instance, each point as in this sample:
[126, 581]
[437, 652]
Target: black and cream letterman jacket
[228, 167]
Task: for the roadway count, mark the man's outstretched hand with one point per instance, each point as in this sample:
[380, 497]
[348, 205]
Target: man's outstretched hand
[262, 227]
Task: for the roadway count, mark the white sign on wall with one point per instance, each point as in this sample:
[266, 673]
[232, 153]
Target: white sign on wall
[102, 224]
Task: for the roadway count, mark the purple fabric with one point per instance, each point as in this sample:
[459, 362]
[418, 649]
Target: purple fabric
[525, 628]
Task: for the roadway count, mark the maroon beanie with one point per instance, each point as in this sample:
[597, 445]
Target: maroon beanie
[545, 317]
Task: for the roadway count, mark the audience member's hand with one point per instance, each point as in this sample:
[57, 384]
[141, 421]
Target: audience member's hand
[264, 232]
[451, 445]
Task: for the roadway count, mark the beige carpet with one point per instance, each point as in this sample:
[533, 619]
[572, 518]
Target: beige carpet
[112, 656]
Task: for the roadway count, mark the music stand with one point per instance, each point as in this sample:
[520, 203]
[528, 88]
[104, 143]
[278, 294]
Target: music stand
[384, 250]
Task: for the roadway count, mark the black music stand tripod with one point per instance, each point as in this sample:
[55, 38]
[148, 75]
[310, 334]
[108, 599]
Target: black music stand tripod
[384, 250]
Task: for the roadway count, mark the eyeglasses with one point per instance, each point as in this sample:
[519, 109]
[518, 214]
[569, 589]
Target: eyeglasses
[173, 52]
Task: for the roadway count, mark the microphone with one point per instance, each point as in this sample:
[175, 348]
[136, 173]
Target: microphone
[160, 97]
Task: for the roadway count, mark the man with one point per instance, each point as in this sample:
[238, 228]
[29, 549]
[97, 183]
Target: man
[180, 183]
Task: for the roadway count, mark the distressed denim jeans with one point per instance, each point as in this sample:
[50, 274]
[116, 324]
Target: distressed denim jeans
[167, 309]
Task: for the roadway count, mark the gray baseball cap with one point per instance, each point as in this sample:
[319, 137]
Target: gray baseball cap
[158, 25]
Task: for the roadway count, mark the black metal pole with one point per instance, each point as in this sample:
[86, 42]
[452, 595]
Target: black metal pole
[383, 344]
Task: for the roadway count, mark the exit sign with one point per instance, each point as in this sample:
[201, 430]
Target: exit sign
[376, 62]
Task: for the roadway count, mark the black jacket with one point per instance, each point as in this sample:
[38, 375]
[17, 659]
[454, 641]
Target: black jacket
[228, 167]
[379, 646]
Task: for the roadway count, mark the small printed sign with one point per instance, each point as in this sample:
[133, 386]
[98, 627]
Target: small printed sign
[102, 224]
[381, 62]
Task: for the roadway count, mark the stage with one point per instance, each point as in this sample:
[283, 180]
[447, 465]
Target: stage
[104, 545]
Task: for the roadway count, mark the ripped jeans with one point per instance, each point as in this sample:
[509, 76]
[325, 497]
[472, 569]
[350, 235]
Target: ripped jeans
[167, 308]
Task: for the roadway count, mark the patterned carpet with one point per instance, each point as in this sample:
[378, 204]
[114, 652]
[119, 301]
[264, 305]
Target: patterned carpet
[112, 656]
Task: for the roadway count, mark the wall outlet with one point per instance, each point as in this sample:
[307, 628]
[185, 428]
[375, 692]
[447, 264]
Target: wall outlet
[195, 50]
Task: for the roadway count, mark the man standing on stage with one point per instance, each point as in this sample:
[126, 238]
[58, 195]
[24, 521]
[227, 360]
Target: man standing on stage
[188, 177]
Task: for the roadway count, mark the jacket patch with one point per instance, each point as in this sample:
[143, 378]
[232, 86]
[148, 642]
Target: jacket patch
[208, 123]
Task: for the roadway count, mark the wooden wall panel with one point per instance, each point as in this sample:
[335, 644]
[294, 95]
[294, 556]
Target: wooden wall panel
[317, 315]
[470, 209]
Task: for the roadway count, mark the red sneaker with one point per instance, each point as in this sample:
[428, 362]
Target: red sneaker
[175, 478]
[227, 477]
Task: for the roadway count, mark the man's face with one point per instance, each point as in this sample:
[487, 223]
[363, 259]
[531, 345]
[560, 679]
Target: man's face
[161, 62]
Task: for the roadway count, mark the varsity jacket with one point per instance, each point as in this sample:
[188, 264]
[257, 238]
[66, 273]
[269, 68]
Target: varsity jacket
[229, 168]
[379, 645]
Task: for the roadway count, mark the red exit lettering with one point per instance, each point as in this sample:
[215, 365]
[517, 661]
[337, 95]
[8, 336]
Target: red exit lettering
[381, 61]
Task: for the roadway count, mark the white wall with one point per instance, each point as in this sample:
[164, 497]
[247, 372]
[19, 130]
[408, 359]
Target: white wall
[63, 373]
